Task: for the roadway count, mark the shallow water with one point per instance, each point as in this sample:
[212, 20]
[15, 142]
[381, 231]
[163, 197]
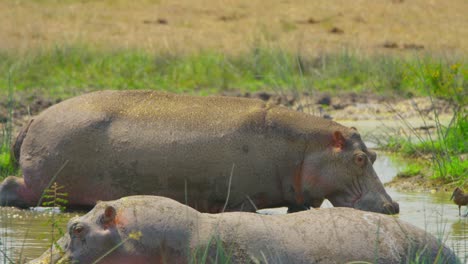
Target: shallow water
[25, 234]
[30, 232]
[436, 214]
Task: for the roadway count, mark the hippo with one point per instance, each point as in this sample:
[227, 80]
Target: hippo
[154, 229]
[213, 153]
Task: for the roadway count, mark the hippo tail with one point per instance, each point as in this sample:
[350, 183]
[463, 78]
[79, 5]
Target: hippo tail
[16, 147]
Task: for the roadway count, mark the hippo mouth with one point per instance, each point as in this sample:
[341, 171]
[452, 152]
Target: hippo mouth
[356, 200]
[365, 202]
[345, 200]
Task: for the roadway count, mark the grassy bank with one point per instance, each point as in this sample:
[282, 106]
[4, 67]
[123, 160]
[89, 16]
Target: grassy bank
[6, 164]
[443, 152]
[443, 158]
[69, 70]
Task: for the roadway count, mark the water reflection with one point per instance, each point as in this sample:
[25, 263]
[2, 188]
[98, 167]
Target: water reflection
[433, 212]
[436, 214]
[25, 235]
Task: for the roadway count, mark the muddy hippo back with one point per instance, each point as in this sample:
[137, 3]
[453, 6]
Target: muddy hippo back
[137, 142]
[151, 229]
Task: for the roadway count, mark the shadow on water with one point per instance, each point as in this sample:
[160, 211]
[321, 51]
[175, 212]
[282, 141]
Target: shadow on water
[433, 212]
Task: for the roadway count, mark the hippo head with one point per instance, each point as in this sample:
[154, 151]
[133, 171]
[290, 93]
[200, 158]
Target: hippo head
[345, 176]
[12, 193]
[91, 237]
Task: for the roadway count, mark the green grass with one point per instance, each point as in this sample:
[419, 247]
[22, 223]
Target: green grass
[7, 166]
[214, 252]
[447, 147]
[412, 169]
[445, 152]
[70, 70]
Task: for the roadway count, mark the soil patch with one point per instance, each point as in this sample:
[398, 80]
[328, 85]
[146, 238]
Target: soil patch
[419, 183]
[312, 27]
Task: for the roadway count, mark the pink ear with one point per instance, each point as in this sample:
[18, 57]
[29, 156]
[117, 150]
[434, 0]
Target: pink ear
[108, 217]
[338, 140]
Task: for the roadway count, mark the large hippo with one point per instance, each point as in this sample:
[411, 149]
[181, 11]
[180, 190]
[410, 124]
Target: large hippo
[213, 153]
[153, 229]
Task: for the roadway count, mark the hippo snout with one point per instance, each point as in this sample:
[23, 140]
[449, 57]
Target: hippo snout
[391, 208]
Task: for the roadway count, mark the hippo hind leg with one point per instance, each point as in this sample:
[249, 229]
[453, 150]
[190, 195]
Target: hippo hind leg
[11, 194]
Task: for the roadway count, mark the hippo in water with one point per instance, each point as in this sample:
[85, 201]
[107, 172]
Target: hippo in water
[213, 153]
[153, 229]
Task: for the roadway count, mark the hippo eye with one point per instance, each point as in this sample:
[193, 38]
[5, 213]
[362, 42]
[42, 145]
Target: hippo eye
[77, 229]
[360, 159]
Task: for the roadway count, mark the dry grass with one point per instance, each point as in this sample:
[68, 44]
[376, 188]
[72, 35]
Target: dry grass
[233, 26]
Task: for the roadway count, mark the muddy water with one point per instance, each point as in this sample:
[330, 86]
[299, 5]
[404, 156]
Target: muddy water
[25, 234]
[433, 212]
[29, 233]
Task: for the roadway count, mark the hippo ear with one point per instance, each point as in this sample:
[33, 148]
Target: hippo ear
[108, 218]
[338, 140]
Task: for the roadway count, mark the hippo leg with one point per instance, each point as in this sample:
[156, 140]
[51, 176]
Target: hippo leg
[13, 192]
[310, 202]
[297, 208]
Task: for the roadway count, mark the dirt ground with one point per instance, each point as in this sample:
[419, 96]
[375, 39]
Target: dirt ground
[312, 27]
[419, 183]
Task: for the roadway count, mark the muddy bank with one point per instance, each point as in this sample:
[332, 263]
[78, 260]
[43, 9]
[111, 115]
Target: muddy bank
[354, 106]
[421, 183]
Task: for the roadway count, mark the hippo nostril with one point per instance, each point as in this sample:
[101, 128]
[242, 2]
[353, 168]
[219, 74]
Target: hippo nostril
[391, 208]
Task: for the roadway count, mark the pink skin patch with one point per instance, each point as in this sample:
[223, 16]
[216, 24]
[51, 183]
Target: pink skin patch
[119, 220]
[312, 180]
[338, 140]
[297, 184]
